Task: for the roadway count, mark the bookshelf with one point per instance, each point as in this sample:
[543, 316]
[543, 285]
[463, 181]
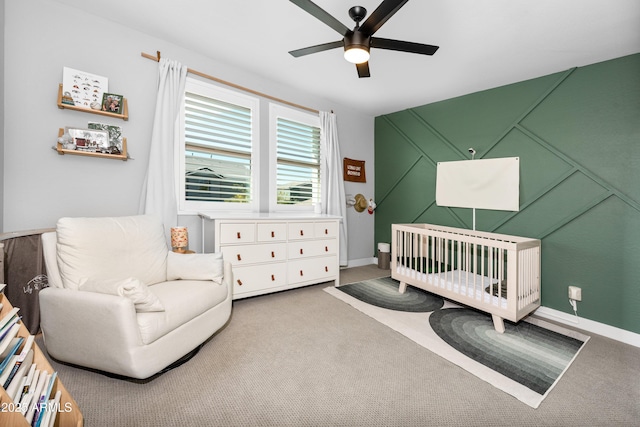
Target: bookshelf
[69, 414]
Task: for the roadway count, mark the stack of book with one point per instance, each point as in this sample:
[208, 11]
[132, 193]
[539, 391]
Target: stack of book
[29, 386]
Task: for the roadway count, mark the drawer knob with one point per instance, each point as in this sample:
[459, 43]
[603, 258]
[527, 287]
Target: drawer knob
[239, 235]
[239, 282]
[301, 273]
[273, 278]
[326, 231]
[302, 232]
[273, 234]
[273, 254]
[326, 249]
[239, 257]
[301, 252]
[326, 268]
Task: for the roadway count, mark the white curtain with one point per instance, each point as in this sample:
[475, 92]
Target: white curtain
[159, 190]
[333, 199]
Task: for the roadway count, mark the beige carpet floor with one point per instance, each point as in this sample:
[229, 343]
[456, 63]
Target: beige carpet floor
[305, 358]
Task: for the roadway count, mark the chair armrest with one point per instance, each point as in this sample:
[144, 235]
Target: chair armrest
[227, 280]
[49, 251]
[82, 326]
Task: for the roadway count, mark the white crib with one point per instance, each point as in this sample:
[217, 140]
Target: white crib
[495, 273]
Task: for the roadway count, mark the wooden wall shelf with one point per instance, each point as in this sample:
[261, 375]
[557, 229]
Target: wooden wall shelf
[123, 116]
[123, 156]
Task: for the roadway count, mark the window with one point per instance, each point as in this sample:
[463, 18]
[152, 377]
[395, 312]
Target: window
[295, 159]
[218, 153]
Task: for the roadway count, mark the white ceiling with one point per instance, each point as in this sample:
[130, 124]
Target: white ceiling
[483, 43]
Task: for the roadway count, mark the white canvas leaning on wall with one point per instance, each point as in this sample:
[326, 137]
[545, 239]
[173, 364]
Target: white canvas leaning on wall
[480, 184]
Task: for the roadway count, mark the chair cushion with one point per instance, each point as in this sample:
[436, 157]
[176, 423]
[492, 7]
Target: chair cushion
[195, 266]
[183, 300]
[111, 248]
[132, 288]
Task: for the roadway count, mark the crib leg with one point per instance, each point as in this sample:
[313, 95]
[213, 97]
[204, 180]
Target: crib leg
[498, 323]
[402, 288]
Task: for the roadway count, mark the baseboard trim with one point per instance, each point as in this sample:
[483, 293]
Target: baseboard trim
[361, 262]
[612, 332]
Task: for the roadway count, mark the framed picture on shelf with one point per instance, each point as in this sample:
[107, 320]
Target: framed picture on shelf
[115, 133]
[82, 89]
[91, 140]
[112, 103]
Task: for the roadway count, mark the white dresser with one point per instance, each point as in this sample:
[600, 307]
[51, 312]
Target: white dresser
[274, 252]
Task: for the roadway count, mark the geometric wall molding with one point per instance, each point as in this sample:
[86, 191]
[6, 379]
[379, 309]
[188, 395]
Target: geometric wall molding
[577, 136]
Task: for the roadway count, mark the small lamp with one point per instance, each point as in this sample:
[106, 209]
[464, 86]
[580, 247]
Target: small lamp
[179, 239]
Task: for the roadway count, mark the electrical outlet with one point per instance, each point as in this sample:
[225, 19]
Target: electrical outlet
[575, 293]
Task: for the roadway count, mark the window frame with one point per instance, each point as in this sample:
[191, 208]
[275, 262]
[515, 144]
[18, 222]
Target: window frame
[281, 111]
[232, 97]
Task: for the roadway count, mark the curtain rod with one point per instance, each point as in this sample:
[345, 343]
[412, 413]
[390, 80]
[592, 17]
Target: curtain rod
[245, 89]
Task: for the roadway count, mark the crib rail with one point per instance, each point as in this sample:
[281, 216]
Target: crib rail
[476, 268]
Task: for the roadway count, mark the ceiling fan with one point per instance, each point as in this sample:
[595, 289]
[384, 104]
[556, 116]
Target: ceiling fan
[357, 42]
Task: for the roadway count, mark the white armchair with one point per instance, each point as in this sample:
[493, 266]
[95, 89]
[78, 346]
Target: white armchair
[119, 301]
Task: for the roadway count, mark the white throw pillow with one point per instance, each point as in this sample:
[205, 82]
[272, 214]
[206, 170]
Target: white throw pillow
[195, 267]
[132, 288]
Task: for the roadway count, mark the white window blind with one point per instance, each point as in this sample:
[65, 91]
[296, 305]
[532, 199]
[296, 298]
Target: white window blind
[218, 149]
[298, 163]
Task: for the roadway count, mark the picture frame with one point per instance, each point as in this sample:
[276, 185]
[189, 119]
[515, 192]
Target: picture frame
[89, 140]
[112, 103]
[353, 170]
[115, 133]
[82, 89]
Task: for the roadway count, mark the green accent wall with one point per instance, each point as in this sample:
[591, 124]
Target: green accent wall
[577, 134]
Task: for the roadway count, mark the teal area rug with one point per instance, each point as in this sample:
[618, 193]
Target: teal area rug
[526, 361]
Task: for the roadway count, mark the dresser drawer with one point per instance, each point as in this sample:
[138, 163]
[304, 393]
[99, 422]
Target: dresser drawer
[237, 233]
[239, 255]
[272, 232]
[301, 230]
[312, 269]
[326, 229]
[275, 252]
[259, 277]
[303, 249]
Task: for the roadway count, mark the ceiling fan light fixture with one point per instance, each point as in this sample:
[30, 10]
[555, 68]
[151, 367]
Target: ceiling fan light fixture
[356, 54]
[356, 47]
[357, 42]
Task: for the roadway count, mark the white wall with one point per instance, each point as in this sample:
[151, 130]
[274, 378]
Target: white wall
[40, 186]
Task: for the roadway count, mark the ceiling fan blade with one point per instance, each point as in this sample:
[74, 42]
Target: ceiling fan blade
[402, 46]
[315, 49]
[379, 16]
[315, 10]
[363, 70]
